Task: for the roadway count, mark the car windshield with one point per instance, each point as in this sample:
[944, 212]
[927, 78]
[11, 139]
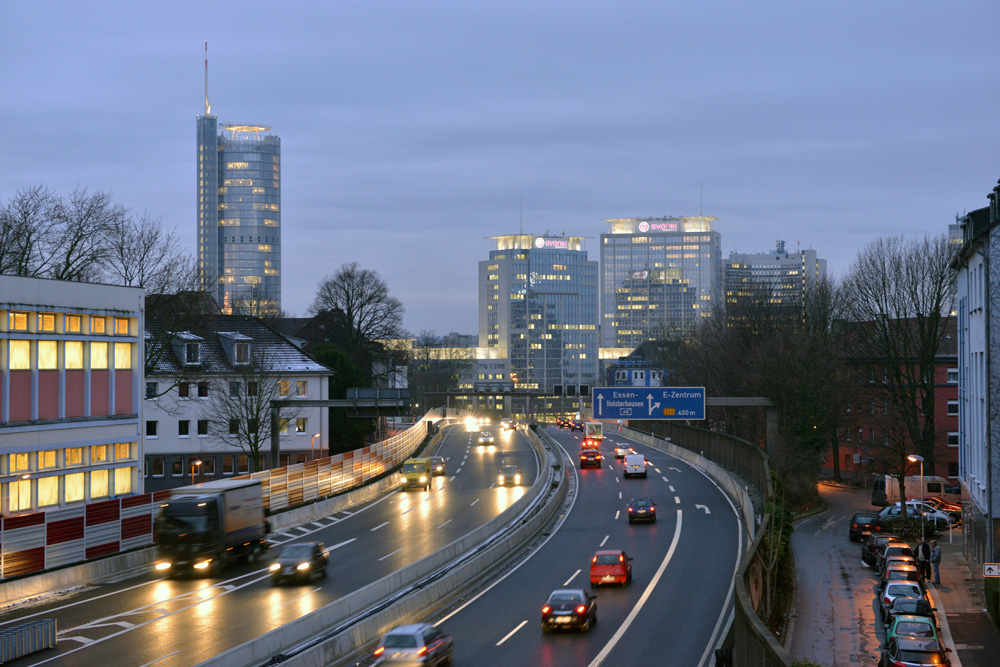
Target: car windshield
[400, 641]
[914, 629]
[922, 657]
[864, 518]
[414, 467]
[565, 597]
[905, 590]
[607, 559]
[509, 470]
[296, 551]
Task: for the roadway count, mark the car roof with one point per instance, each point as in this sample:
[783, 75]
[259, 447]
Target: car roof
[568, 591]
[918, 644]
[409, 629]
[608, 552]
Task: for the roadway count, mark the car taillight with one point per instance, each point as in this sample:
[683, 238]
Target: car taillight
[621, 559]
[593, 560]
[630, 510]
[379, 651]
[854, 526]
[422, 651]
[886, 600]
[581, 609]
[546, 609]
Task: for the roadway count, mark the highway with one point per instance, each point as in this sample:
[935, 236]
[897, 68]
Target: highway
[672, 613]
[150, 620]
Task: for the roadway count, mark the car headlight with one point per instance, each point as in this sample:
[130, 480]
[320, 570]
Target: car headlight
[500, 478]
[274, 567]
[423, 478]
[202, 565]
[163, 566]
[302, 566]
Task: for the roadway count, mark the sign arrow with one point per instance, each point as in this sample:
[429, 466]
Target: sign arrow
[704, 507]
[991, 569]
[651, 404]
[600, 404]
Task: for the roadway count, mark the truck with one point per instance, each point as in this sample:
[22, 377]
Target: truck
[885, 489]
[593, 434]
[416, 472]
[204, 527]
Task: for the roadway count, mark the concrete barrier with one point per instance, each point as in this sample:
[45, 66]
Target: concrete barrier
[27, 638]
[341, 612]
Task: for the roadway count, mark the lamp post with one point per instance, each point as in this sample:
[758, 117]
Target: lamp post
[915, 458]
[194, 466]
[312, 444]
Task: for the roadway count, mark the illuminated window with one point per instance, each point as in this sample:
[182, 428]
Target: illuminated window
[123, 356]
[48, 355]
[74, 487]
[121, 326]
[18, 321]
[74, 354]
[98, 356]
[48, 491]
[46, 322]
[99, 484]
[300, 425]
[123, 481]
[20, 355]
[283, 427]
[123, 451]
[98, 453]
[19, 462]
[47, 459]
[97, 325]
[74, 456]
[301, 387]
[19, 495]
[73, 323]
[284, 387]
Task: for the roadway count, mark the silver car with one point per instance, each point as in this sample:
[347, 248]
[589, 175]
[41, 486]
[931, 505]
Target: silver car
[898, 590]
[417, 644]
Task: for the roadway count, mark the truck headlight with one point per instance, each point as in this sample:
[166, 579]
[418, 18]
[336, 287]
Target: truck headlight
[423, 478]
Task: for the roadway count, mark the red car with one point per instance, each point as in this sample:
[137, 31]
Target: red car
[610, 566]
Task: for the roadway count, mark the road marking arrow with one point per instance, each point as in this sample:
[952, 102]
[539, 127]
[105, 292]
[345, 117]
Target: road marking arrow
[673, 468]
[704, 507]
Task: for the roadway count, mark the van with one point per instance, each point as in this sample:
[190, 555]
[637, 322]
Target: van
[885, 489]
[416, 472]
[635, 464]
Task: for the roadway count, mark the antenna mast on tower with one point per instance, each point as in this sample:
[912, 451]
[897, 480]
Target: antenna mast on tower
[208, 107]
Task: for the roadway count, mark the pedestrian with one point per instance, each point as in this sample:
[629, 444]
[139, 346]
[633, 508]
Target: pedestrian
[936, 562]
[923, 553]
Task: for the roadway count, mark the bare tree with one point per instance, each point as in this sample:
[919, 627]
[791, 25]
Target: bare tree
[140, 253]
[900, 293]
[85, 221]
[435, 367]
[25, 221]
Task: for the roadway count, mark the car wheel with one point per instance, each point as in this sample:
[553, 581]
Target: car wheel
[631, 520]
[325, 572]
[586, 625]
[545, 629]
[653, 520]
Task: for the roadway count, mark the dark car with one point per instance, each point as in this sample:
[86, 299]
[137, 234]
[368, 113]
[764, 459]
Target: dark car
[913, 651]
[569, 608]
[437, 465]
[299, 562]
[641, 509]
[862, 525]
[911, 607]
[562, 422]
[590, 457]
[576, 425]
[873, 544]
[417, 644]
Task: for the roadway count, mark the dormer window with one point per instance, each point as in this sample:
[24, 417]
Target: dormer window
[241, 353]
[192, 354]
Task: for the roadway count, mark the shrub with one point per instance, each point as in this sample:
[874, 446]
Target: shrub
[992, 590]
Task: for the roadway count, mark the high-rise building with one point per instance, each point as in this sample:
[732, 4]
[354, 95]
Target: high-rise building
[658, 277]
[783, 277]
[538, 308]
[239, 214]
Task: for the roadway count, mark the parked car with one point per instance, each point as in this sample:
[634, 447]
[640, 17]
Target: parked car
[909, 651]
[299, 562]
[610, 566]
[913, 607]
[873, 544]
[862, 524]
[416, 644]
[951, 509]
[437, 465]
[590, 457]
[641, 509]
[906, 625]
[569, 608]
[898, 590]
[899, 573]
[897, 559]
[892, 549]
[890, 512]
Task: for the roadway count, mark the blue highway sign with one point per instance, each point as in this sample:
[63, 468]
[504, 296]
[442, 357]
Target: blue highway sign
[649, 402]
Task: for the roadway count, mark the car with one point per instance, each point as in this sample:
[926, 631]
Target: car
[508, 424]
[873, 544]
[486, 439]
[895, 573]
[890, 512]
[509, 475]
[641, 509]
[906, 625]
[562, 422]
[913, 607]
[610, 566]
[590, 457]
[893, 549]
[437, 465]
[416, 472]
[913, 651]
[897, 589]
[484, 421]
[897, 559]
[635, 466]
[621, 451]
[951, 509]
[569, 608]
[415, 644]
[862, 524]
[299, 562]
[576, 425]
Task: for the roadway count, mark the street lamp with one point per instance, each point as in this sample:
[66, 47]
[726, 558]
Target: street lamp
[915, 458]
[312, 444]
[194, 466]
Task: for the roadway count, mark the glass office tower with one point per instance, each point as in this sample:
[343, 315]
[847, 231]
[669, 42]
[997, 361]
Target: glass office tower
[658, 277]
[538, 307]
[239, 216]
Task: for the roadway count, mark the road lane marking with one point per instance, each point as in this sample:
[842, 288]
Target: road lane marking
[451, 479]
[511, 633]
[474, 502]
[160, 659]
[392, 554]
[677, 500]
[445, 523]
[458, 471]
[620, 632]
[617, 512]
[671, 489]
[382, 525]
[617, 480]
[604, 540]
[658, 471]
[666, 480]
[300, 597]
[619, 495]
[571, 578]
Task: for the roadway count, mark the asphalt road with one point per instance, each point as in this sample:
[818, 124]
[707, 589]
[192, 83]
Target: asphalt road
[672, 613]
[180, 622]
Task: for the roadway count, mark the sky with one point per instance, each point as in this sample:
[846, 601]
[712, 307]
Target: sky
[412, 131]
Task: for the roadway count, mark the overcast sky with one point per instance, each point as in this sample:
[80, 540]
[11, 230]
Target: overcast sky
[412, 130]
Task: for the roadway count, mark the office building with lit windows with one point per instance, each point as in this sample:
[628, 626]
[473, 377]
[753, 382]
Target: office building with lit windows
[659, 276]
[784, 278]
[70, 403]
[239, 215]
[538, 309]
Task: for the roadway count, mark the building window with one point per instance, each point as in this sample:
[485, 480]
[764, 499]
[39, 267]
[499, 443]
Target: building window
[121, 326]
[47, 459]
[184, 428]
[283, 426]
[284, 387]
[20, 355]
[202, 390]
[19, 462]
[952, 376]
[73, 324]
[952, 469]
[75, 483]
[953, 439]
[46, 322]
[952, 407]
[251, 388]
[123, 481]
[98, 356]
[244, 463]
[300, 424]
[234, 426]
[74, 355]
[123, 451]
[227, 465]
[192, 354]
[208, 466]
[242, 353]
[203, 427]
[183, 390]
[74, 456]
[155, 466]
[151, 389]
[123, 356]
[19, 495]
[302, 386]
[234, 389]
[151, 429]
[48, 491]
[176, 467]
[98, 454]
[17, 321]
[48, 355]
[99, 484]
[97, 327]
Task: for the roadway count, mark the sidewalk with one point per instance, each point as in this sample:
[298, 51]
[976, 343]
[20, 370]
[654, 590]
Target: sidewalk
[977, 641]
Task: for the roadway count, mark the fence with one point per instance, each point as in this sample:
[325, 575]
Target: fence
[31, 543]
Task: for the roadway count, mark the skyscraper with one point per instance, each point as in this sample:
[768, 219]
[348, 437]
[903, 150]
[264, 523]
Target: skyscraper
[538, 308]
[658, 277]
[784, 278]
[239, 214]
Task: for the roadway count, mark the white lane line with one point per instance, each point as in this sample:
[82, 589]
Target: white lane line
[617, 481]
[666, 480]
[392, 554]
[300, 597]
[677, 500]
[619, 495]
[405, 512]
[658, 471]
[458, 471]
[445, 523]
[160, 659]
[616, 514]
[604, 540]
[382, 525]
[474, 502]
[451, 479]
[566, 583]
[603, 655]
[511, 633]
[671, 489]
